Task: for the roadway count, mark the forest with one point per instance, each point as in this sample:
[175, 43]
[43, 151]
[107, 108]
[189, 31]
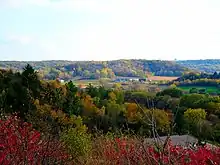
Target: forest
[207, 66]
[68, 70]
[195, 76]
[46, 122]
[199, 82]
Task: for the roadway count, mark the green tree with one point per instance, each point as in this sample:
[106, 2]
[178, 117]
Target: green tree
[19, 91]
[86, 73]
[173, 92]
[179, 120]
[77, 140]
[160, 118]
[31, 80]
[191, 100]
[72, 101]
[194, 119]
[104, 73]
[193, 90]
[193, 116]
[114, 112]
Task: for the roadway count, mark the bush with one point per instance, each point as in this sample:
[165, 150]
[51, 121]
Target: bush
[123, 151]
[77, 141]
[21, 144]
[193, 90]
[202, 91]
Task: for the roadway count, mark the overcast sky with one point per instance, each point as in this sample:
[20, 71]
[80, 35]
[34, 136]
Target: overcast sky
[109, 29]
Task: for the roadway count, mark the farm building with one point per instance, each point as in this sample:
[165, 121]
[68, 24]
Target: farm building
[130, 79]
[183, 140]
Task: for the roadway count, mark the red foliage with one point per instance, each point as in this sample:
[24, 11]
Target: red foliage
[122, 151]
[21, 144]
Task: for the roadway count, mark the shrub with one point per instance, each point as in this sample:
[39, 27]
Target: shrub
[21, 144]
[193, 90]
[77, 141]
[122, 151]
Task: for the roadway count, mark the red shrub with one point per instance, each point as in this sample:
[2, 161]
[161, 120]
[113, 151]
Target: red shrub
[122, 151]
[21, 144]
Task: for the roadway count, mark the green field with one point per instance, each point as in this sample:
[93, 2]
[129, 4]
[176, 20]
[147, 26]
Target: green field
[209, 89]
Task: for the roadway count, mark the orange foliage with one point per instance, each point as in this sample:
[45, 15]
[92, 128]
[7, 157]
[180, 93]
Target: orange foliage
[132, 111]
[89, 107]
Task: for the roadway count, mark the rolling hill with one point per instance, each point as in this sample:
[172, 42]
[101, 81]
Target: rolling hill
[96, 69]
[208, 66]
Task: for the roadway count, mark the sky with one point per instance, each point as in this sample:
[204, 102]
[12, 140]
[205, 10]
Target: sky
[109, 29]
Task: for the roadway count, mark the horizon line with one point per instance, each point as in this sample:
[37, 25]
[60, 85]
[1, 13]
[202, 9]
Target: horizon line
[106, 60]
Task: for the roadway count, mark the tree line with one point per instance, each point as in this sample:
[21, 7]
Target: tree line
[195, 76]
[67, 70]
[207, 66]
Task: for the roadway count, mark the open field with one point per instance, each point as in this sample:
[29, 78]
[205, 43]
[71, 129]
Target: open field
[209, 89]
[127, 85]
[161, 78]
[86, 82]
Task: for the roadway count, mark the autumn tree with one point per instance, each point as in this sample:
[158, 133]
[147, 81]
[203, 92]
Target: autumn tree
[132, 112]
[193, 118]
[157, 119]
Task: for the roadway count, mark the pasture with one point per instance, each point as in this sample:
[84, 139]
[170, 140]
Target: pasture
[209, 89]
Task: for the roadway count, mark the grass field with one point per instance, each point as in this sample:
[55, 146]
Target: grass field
[209, 89]
[161, 78]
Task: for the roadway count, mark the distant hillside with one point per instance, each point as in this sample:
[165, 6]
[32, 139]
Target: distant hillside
[96, 69]
[208, 66]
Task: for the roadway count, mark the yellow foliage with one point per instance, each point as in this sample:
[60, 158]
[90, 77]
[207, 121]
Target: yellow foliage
[44, 111]
[193, 116]
[132, 113]
[117, 85]
[112, 96]
[89, 107]
[161, 118]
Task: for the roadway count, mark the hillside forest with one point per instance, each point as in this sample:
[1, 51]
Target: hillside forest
[54, 123]
[68, 70]
[207, 66]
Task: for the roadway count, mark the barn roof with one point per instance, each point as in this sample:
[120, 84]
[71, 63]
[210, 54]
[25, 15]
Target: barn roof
[183, 140]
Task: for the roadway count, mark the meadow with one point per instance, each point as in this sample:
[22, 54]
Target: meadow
[209, 89]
